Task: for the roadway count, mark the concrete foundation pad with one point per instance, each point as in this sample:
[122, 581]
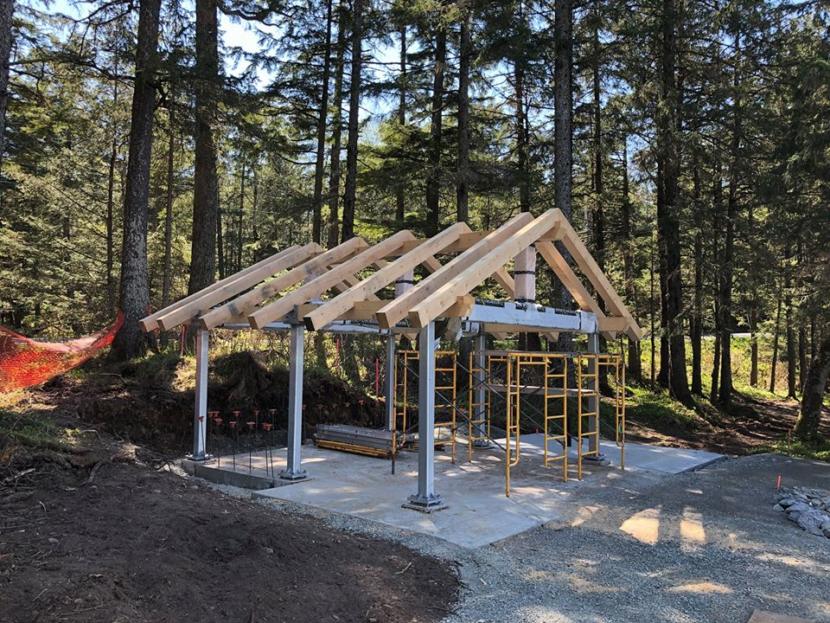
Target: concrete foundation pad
[477, 511]
[637, 456]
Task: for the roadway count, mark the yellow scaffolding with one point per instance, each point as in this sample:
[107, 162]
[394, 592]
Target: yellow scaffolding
[446, 377]
[552, 370]
[615, 362]
[558, 393]
[513, 423]
[478, 413]
[555, 388]
[587, 407]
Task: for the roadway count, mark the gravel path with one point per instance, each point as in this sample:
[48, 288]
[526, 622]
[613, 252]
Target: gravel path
[705, 546]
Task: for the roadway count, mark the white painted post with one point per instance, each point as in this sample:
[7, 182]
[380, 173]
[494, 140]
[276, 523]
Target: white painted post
[294, 470]
[405, 283]
[524, 275]
[426, 500]
[200, 411]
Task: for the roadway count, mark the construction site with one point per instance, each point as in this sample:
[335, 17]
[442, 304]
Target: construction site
[508, 430]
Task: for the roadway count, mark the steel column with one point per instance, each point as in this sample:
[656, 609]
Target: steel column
[593, 348]
[480, 389]
[200, 411]
[294, 470]
[389, 381]
[426, 500]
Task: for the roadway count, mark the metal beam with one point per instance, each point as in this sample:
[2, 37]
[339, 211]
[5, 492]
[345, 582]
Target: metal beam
[528, 316]
[426, 500]
[200, 410]
[294, 470]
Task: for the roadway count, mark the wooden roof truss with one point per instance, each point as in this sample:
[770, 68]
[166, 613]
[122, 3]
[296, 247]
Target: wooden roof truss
[290, 286]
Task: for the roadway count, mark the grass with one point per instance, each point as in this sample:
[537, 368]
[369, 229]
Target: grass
[818, 450]
[31, 429]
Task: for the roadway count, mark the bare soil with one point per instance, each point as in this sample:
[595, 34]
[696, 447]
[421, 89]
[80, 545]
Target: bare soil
[92, 530]
[750, 426]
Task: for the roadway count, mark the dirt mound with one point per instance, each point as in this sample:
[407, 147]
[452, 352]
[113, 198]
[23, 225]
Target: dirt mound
[152, 401]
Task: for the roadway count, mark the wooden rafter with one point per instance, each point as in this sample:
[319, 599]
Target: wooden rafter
[594, 274]
[202, 301]
[443, 297]
[243, 305]
[566, 275]
[395, 311]
[317, 286]
[423, 253]
[309, 272]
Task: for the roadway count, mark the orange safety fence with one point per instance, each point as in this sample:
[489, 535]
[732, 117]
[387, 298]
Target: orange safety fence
[25, 362]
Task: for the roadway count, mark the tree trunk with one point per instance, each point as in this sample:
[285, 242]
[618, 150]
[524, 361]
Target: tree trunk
[651, 310]
[6, 13]
[110, 219]
[337, 130]
[790, 333]
[521, 136]
[598, 220]
[775, 344]
[433, 182]
[319, 165]
[815, 386]
[220, 245]
[696, 324]
[563, 131]
[350, 190]
[167, 272]
[461, 190]
[400, 187]
[135, 294]
[206, 230]
[717, 209]
[668, 219]
[635, 366]
[727, 267]
[239, 220]
[254, 206]
[563, 104]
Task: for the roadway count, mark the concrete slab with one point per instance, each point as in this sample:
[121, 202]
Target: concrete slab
[478, 511]
[637, 456]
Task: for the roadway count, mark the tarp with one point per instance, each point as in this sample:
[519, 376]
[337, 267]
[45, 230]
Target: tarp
[25, 362]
